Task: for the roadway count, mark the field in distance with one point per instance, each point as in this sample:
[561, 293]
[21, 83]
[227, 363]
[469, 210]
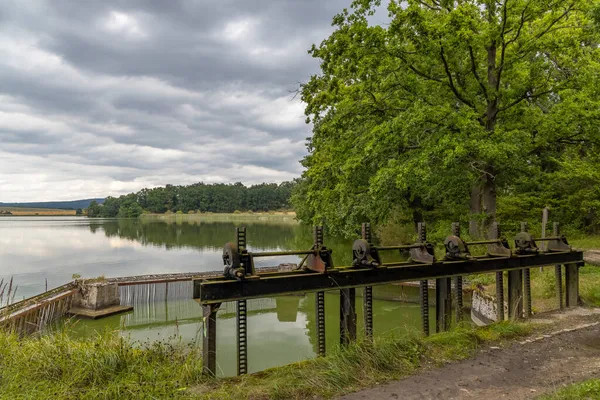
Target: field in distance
[23, 211]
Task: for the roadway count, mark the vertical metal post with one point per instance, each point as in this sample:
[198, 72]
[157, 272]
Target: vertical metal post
[347, 315]
[443, 304]
[320, 322]
[458, 281]
[209, 340]
[242, 332]
[241, 316]
[424, 285]
[495, 234]
[515, 294]
[558, 272]
[526, 282]
[571, 285]
[319, 301]
[368, 290]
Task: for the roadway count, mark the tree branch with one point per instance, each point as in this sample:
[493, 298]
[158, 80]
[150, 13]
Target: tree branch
[451, 81]
[525, 96]
[429, 6]
[474, 69]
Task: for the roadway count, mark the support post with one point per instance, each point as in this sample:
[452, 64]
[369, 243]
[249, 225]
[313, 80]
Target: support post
[368, 290]
[242, 317]
[571, 285]
[319, 301]
[527, 281]
[424, 284]
[458, 281]
[558, 272]
[495, 234]
[320, 321]
[242, 336]
[368, 311]
[424, 290]
[515, 294]
[347, 315]
[443, 304]
[209, 341]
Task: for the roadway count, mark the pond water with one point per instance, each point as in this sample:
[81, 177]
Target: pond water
[40, 252]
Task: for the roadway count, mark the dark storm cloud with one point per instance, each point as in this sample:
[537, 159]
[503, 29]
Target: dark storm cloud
[107, 97]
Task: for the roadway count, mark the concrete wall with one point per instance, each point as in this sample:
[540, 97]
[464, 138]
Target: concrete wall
[97, 296]
[484, 310]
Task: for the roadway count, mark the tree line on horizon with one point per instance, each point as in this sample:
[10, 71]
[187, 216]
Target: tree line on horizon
[196, 198]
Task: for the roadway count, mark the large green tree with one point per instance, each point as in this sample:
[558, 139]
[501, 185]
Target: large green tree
[445, 106]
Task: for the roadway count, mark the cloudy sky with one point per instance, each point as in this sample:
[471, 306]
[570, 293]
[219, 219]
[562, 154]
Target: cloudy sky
[107, 97]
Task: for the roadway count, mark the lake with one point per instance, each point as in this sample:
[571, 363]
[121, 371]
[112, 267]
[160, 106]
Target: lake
[40, 252]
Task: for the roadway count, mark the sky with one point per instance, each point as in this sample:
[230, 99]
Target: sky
[103, 98]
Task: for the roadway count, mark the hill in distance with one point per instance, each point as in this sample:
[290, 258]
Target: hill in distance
[61, 205]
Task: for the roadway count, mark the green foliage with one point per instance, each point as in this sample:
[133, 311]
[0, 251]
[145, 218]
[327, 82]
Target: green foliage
[589, 389]
[451, 99]
[108, 366]
[93, 209]
[199, 197]
[105, 366]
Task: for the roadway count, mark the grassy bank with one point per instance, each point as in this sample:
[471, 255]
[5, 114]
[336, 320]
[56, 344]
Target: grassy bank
[57, 366]
[589, 389]
[280, 216]
[22, 212]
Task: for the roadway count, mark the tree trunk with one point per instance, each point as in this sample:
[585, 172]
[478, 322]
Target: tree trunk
[489, 200]
[489, 178]
[475, 207]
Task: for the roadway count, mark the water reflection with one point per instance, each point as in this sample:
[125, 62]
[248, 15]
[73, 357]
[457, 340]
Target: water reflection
[36, 250]
[280, 329]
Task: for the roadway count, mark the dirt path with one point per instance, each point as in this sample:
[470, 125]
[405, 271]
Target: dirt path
[520, 371]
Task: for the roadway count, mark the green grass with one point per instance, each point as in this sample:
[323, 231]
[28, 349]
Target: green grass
[586, 242]
[589, 389]
[107, 366]
[289, 217]
[360, 365]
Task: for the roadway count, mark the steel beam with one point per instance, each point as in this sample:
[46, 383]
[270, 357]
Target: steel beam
[219, 290]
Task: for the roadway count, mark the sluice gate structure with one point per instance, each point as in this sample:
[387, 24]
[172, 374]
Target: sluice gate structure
[36, 313]
[317, 274]
[230, 290]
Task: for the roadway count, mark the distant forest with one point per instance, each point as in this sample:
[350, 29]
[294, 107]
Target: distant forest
[198, 197]
[62, 205]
